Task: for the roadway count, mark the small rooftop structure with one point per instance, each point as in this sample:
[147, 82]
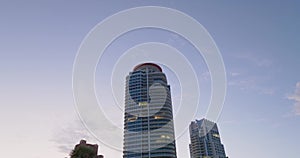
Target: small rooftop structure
[83, 145]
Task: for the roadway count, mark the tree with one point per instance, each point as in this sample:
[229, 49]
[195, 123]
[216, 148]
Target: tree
[83, 152]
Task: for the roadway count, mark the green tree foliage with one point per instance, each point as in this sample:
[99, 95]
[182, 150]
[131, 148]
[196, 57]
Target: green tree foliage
[83, 152]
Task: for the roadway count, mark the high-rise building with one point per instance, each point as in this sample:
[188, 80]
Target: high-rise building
[148, 120]
[205, 140]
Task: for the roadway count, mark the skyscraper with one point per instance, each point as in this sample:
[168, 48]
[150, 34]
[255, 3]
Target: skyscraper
[205, 140]
[148, 119]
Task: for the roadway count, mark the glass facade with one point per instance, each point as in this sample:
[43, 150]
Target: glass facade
[148, 119]
[205, 140]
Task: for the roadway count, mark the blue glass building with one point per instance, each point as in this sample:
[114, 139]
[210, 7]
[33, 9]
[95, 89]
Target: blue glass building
[148, 119]
[205, 140]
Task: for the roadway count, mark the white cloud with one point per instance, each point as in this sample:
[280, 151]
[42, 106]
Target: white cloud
[296, 98]
[205, 76]
[69, 134]
[251, 84]
[233, 74]
[256, 60]
[297, 108]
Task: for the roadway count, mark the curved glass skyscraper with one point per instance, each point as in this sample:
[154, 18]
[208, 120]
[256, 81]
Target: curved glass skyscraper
[148, 120]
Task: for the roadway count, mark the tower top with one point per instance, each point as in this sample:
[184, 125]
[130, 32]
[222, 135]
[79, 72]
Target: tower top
[143, 65]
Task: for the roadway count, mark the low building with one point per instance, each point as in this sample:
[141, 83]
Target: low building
[84, 150]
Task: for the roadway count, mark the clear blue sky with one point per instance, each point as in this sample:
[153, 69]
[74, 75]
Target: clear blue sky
[259, 42]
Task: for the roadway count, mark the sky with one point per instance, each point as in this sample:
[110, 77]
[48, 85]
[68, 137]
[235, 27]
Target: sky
[259, 43]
